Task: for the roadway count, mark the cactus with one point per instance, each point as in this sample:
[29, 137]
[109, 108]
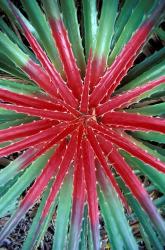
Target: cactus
[70, 109]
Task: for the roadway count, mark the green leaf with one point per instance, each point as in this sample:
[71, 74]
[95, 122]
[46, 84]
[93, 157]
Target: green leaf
[148, 75]
[145, 238]
[145, 65]
[33, 229]
[123, 16]
[9, 124]
[90, 24]
[12, 51]
[19, 87]
[38, 20]
[110, 223]
[70, 20]
[143, 218]
[6, 65]
[89, 236]
[63, 211]
[5, 28]
[106, 28]
[5, 187]
[150, 136]
[24, 181]
[4, 5]
[161, 33]
[84, 232]
[7, 115]
[159, 202]
[117, 213]
[157, 178]
[138, 15]
[153, 110]
[146, 223]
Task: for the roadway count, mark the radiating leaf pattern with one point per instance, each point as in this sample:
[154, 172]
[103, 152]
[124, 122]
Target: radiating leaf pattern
[85, 139]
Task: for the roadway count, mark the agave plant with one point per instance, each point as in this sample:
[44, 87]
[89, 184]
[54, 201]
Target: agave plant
[70, 109]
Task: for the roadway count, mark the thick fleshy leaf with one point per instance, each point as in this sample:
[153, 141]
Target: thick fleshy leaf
[150, 136]
[90, 181]
[110, 203]
[128, 97]
[71, 21]
[128, 54]
[60, 132]
[42, 57]
[7, 116]
[85, 94]
[154, 110]
[16, 190]
[32, 232]
[8, 67]
[150, 74]
[144, 221]
[5, 6]
[134, 185]
[90, 24]
[63, 169]
[78, 201]
[130, 147]
[74, 141]
[64, 47]
[33, 70]
[77, 206]
[63, 211]
[144, 66]
[97, 149]
[110, 225]
[38, 20]
[41, 182]
[15, 86]
[103, 39]
[6, 29]
[45, 114]
[121, 20]
[18, 164]
[140, 11]
[158, 179]
[84, 233]
[28, 101]
[134, 121]
[24, 130]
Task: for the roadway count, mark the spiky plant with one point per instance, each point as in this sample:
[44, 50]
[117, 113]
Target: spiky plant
[84, 143]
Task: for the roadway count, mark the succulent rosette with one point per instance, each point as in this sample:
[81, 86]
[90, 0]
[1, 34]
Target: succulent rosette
[70, 109]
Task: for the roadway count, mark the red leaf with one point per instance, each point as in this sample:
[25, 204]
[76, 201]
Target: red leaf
[133, 183]
[42, 180]
[63, 169]
[29, 101]
[53, 134]
[36, 189]
[77, 205]
[90, 180]
[58, 82]
[129, 147]
[127, 97]
[48, 114]
[128, 54]
[134, 121]
[98, 151]
[25, 129]
[85, 95]
[62, 42]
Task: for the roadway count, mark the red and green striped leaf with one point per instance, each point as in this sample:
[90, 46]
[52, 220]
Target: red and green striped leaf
[90, 181]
